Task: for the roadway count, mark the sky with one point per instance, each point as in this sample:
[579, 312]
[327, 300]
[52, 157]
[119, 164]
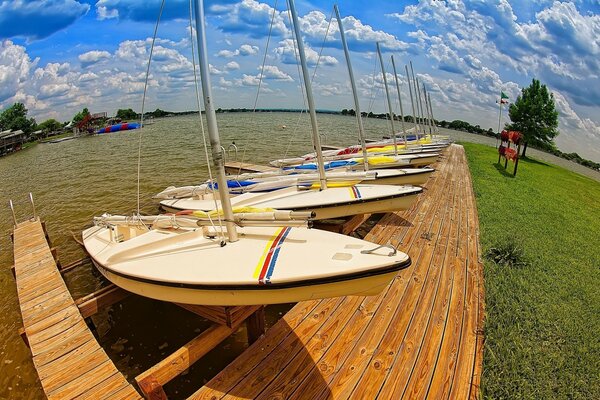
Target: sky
[58, 56]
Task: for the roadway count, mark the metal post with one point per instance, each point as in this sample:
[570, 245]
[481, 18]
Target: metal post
[32, 205]
[12, 209]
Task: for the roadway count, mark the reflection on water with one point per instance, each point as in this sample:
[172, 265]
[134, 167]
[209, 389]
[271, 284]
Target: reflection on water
[74, 180]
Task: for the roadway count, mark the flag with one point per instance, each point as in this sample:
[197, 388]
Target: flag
[503, 95]
[502, 101]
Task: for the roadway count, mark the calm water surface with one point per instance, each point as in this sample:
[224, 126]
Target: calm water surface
[74, 180]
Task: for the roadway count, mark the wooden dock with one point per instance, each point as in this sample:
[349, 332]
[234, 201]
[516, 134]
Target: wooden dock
[69, 361]
[421, 338]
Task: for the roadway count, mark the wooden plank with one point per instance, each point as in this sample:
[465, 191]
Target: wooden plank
[399, 344]
[74, 264]
[183, 358]
[254, 382]
[80, 382]
[91, 305]
[354, 223]
[255, 325]
[68, 359]
[320, 377]
[300, 366]
[217, 314]
[416, 383]
[258, 351]
[420, 339]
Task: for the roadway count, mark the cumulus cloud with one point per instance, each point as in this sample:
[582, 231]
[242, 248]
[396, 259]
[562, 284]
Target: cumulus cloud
[286, 53]
[232, 65]
[15, 67]
[37, 19]
[249, 17]
[244, 50]
[317, 30]
[561, 45]
[273, 72]
[93, 57]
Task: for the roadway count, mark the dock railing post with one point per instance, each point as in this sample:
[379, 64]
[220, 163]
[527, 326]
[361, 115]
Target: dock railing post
[32, 206]
[12, 209]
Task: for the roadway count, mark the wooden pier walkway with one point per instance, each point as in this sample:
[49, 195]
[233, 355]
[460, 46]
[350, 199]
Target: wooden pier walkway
[421, 338]
[69, 361]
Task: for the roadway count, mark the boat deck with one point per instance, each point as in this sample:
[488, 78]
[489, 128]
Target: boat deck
[421, 338]
[69, 361]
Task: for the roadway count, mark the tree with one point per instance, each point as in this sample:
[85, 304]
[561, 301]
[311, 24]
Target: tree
[50, 125]
[126, 114]
[534, 115]
[15, 118]
[81, 115]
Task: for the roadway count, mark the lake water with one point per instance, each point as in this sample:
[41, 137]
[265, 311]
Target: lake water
[73, 181]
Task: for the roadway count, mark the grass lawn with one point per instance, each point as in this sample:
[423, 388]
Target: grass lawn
[542, 330]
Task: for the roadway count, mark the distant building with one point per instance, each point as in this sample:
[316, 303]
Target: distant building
[11, 141]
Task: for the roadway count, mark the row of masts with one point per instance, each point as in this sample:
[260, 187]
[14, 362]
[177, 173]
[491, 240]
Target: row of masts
[418, 108]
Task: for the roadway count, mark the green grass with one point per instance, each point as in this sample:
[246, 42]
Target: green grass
[542, 329]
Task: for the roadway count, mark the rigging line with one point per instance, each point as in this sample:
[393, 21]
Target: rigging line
[312, 79]
[210, 175]
[262, 71]
[314, 72]
[293, 134]
[139, 164]
[372, 93]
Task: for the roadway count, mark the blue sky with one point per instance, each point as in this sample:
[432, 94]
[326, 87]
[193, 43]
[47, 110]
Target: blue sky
[58, 56]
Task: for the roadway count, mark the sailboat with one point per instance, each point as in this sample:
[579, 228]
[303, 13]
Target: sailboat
[241, 259]
[325, 202]
[303, 176]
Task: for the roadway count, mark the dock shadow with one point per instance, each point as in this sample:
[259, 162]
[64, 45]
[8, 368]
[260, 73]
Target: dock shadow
[276, 368]
[393, 219]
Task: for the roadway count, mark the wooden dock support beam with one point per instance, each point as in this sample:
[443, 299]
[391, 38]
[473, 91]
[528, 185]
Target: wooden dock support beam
[151, 382]
[108, 295]
[74, 264]
[255, 325]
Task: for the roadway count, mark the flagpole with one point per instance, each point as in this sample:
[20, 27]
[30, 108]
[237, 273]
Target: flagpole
[499, 118]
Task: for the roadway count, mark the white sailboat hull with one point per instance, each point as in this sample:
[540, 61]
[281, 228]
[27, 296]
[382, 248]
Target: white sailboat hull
[326, 204]
[367, 286]
[268, 265]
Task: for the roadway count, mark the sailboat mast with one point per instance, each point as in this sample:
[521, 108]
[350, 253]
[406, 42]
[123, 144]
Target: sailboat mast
[435, 129]
[417, 99]
[309, 96]
[400, 100]
[389, 102]
[427, 109]
[361, 129]
[211, 120]
[412, 102]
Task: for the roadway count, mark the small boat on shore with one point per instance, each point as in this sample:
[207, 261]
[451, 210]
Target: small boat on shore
[118, 127]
